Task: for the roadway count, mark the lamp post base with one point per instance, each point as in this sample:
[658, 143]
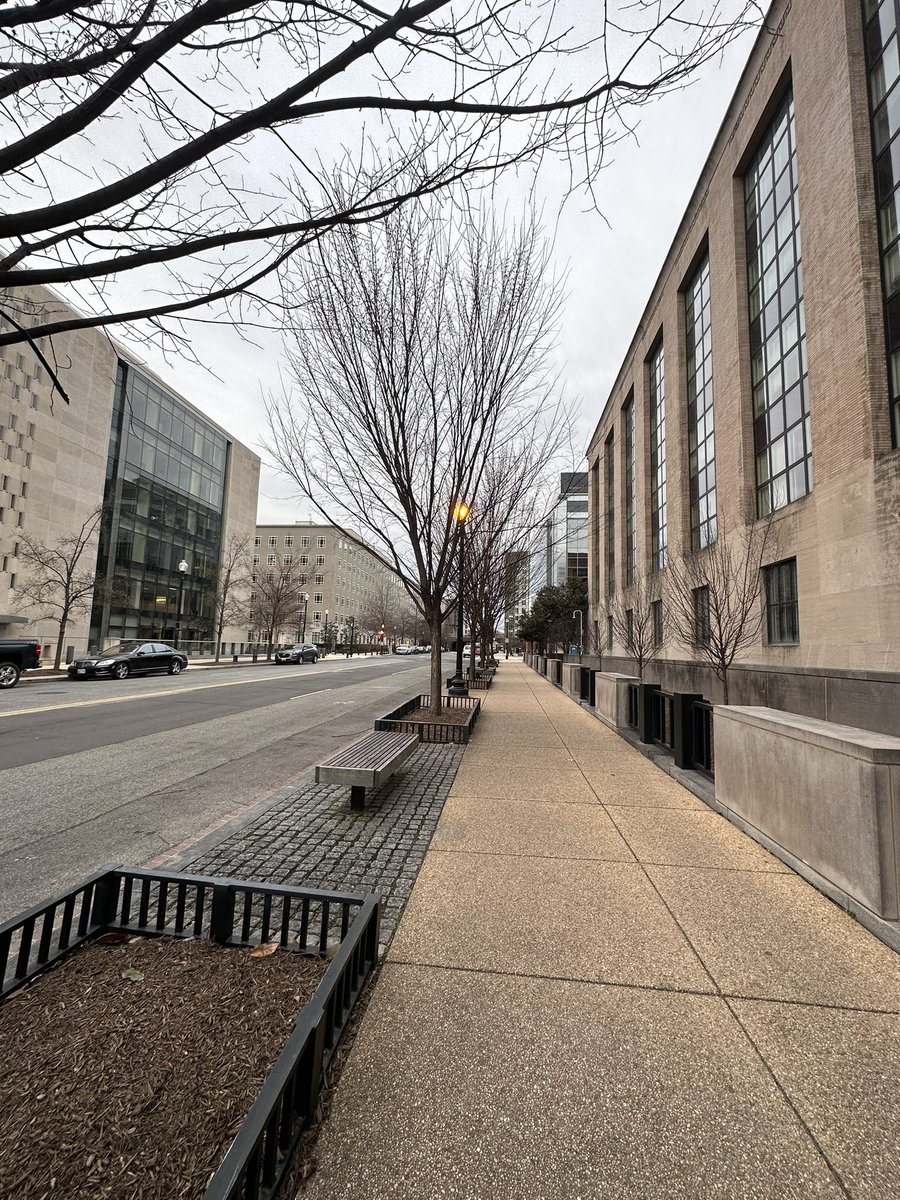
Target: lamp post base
[457, 687]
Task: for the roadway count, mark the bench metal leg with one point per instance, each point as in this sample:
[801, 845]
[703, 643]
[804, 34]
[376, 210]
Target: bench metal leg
[357, 797]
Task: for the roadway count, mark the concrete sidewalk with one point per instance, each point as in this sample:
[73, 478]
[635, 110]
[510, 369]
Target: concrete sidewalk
[600, 988]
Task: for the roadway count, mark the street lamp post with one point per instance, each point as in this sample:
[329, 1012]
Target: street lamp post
[301, 632]
[578, 613]
[458, 685]
[183, 568]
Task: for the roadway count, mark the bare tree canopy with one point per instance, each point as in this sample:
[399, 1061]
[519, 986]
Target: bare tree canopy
[713, 596]
[196, 146]
[640, 619]
[422, 357]
[274, 604]
[232, 582]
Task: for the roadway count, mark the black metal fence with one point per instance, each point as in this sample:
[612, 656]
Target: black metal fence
[232, 912]
[703, 746]
[433, 731]
[661, 730]
[680, 723]
[634, 695]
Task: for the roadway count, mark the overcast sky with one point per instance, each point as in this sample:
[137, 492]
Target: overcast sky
[612, 259]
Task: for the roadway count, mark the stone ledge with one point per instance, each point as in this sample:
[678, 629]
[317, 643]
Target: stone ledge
[871, 747]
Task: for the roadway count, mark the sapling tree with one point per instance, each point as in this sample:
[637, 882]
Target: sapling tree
[59, 578]
[713, 596]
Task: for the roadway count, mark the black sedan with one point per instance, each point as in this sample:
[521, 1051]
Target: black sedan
[302, 652]
[129, 658]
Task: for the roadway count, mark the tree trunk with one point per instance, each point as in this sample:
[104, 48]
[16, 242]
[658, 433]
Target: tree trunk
[63, 622]
[434, 627]
[219, 641]
[725, 685]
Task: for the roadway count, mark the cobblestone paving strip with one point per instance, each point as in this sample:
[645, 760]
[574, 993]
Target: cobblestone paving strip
[308, 835]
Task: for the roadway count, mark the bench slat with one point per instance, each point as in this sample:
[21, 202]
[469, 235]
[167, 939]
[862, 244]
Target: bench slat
[370, 761]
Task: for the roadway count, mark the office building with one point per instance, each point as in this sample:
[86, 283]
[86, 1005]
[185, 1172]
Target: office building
[763, 382]
[172, 485]
[349, 585]
[567, 531]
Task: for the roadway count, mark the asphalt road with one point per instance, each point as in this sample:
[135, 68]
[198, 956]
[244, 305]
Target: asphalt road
[101, 771]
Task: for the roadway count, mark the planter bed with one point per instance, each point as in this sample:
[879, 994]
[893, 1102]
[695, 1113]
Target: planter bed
[161, 1058]
[481, 682]
[406, 719]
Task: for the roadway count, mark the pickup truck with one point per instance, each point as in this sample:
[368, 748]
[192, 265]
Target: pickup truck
[17, 655]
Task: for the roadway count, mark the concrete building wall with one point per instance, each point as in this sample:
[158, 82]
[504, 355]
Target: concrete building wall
[845, 534]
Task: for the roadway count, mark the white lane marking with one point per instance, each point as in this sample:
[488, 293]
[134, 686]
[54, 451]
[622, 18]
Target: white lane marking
[200, 687]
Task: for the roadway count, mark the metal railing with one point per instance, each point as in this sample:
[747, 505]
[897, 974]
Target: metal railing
[702, 727]
[661, 719]
[433, 731]
[634, 700]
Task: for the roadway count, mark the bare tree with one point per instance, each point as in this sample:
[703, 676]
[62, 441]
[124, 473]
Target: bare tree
[421, 353]
[514, 501]
[381, 608]
[274, 602]
[61, 578]
[231, 582]
[156, 138]
[640, 619]
[714, 596]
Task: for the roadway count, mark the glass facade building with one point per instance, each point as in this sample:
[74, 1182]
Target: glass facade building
[701, 432]
[883, 62]
[567, 531]
[781, 429]
[163, 504]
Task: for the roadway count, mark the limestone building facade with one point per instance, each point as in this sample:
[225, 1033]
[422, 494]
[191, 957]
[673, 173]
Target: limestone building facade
[172, 485]
[762, 384]
[348, 583]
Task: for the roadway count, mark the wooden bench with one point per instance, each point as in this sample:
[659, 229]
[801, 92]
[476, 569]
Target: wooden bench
[367, 763]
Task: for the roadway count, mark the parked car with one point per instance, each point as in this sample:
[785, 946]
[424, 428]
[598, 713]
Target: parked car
[17, 655]
[404, 650]
[300, 653]
[130, 658]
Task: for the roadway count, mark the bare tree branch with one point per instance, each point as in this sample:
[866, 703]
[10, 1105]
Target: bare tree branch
[714, 596]
[161, 137]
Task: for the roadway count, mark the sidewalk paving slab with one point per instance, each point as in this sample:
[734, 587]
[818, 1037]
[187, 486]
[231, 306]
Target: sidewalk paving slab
[840, 1070]
[548, 829]
[507, 729]
[773, 936]
[561, 918]
[690, 838]
[500, 1088]
[496, 779]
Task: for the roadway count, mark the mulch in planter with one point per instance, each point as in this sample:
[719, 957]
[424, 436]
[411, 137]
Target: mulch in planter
[449, 716]
[132, 1086]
